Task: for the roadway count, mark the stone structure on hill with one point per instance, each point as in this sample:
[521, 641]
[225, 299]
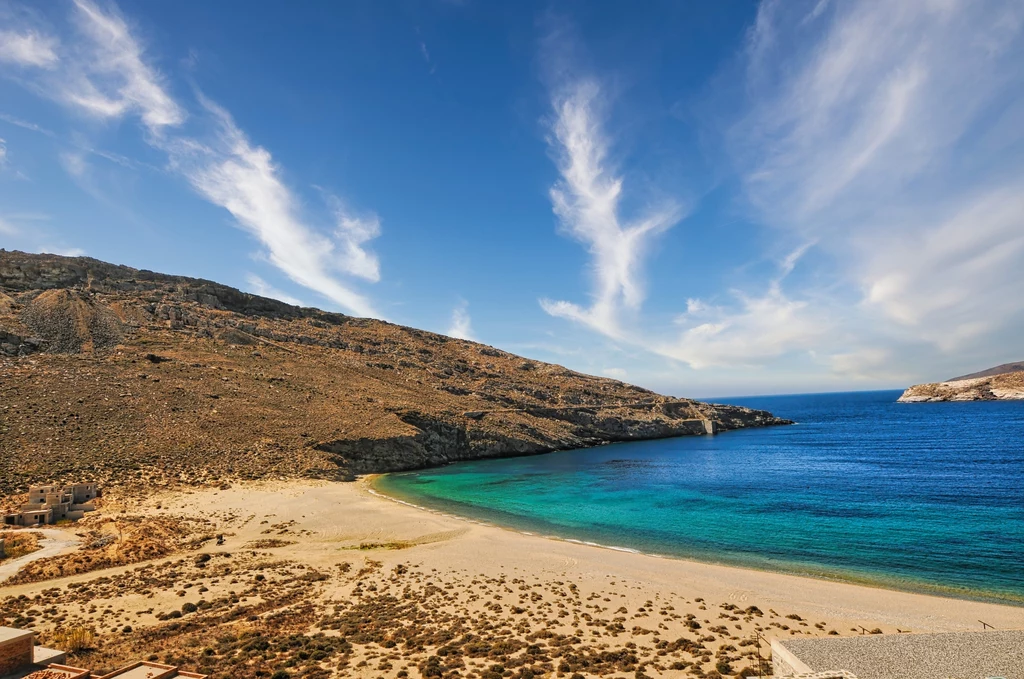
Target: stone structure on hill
[50, 504]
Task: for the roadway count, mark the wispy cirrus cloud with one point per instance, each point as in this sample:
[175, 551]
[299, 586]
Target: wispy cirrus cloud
[258, 286]
[588, 201]
[754, 330]
[28, 230]
[110, 76]
[885, 138]
[882, 135]
[887, 134]
[103, 71]
[231, 172]
[28, 48]
[74, 164]
[7, 229]
[351, 234]
[461, 326]
[25, 124]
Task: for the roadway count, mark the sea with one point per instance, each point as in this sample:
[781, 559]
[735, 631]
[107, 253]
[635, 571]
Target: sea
[925, 497]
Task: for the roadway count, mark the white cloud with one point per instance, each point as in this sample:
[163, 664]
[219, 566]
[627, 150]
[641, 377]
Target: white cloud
[933, 276]
[351, 233]
[865, 363]
[18, 122]
[757, 329]
[617, 373]
[426, 57]
[28, 231]
[243, 179]
[105, 74]
[62, 251]
[110, 77]
[587, 202]
[28, 49]
[260, 287]
[3, 152]
[885, 138]
[461, 326]
[762, 328]
[879, 136]
[74, 163]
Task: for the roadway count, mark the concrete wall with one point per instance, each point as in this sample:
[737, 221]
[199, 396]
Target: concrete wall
[784, 663]
[15, 654]
[83, 492]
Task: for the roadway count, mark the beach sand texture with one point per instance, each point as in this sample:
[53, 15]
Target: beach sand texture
[391, 590]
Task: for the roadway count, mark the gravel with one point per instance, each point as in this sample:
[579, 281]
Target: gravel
[954, 655]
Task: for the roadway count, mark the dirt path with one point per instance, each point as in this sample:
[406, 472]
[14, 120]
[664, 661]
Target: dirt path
[53, 542]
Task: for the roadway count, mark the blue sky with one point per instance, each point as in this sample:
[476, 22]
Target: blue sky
[702, 198]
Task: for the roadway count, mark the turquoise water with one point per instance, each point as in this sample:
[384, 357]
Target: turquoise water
[925, 497]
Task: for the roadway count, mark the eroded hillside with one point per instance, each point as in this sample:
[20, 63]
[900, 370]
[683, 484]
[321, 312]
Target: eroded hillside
[116, 374]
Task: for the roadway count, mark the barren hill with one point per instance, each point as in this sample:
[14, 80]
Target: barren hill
[998, 370]
[116, 374]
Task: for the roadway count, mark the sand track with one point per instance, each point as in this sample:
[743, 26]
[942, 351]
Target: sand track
[54, 543]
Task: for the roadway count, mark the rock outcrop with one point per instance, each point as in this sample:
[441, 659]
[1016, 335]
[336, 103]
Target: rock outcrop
[127, 374]
[998, 387]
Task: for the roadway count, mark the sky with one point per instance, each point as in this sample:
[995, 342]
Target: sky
[706, 199]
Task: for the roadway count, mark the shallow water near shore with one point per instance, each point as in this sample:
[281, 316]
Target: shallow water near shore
[925, 497]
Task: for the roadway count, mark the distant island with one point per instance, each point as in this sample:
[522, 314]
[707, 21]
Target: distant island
[1001, 383]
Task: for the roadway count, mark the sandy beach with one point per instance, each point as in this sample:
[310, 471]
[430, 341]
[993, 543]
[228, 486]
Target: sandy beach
[401, 589]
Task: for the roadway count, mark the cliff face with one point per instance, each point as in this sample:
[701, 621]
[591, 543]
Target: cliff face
[119, 374]
[1003, 386]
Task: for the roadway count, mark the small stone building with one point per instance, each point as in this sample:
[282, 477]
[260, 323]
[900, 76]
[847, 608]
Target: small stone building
[15, 649]
[50, 504]
[18, 652]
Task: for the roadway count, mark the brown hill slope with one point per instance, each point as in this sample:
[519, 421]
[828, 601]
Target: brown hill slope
[991, 372]
[119, 374]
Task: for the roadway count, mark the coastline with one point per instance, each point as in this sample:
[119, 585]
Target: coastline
[370, 484]
[312, 552]
[828, 596]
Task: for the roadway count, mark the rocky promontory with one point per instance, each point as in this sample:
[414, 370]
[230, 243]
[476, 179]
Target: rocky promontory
[121, 374]
[998, 387]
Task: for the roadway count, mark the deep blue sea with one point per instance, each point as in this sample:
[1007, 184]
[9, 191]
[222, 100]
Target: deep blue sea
[924, 497]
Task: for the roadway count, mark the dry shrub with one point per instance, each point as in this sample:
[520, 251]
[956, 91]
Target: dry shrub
[74, 639]
[18, 543]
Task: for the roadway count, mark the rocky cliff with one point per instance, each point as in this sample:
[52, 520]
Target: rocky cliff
[1001, 386]
[117, 374]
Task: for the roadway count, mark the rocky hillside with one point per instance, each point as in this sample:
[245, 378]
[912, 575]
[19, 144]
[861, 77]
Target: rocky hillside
[1000, 386]
[998, 370]
[117, 374]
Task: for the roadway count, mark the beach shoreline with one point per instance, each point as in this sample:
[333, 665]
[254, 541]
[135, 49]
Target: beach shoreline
[371, 483]
[326, 550]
